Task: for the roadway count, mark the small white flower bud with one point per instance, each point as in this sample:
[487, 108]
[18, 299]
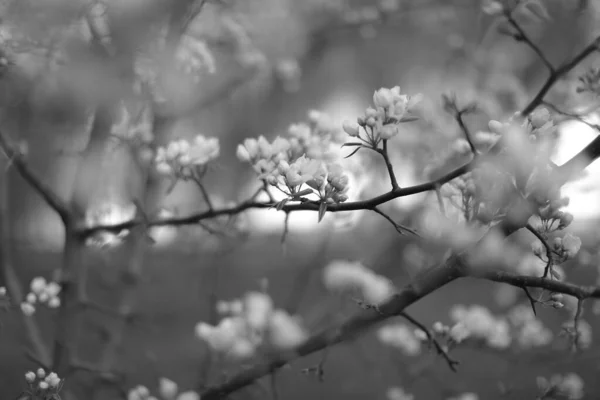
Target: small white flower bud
[2, 291]
[44, 385]
[30, 298]
[557, 296]
[41, 373]
[38, 285]
[242, 153]
[350, 128]
[167, 388]
[28, 309]
[54, 302]
[30, 376]
[438, 327]
[52, 379]
[43, 297]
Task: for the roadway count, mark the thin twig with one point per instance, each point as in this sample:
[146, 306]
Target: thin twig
[400, 228]
[532, 301]
[542, 239]
[559, 73]
[452, 363]
[17, 158]
[522, 36]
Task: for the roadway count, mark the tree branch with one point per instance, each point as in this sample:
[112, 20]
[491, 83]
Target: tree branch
[521, 36]
[17, 158]
[433, 279]
[427, 283]
[555, 75]
[86, 231]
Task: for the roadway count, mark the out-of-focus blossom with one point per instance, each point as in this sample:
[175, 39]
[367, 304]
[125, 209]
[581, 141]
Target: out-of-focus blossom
[397, 393]
[401, 337]
[347, 276]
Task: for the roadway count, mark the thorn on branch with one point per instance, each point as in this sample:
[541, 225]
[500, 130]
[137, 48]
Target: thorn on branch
[532, 301]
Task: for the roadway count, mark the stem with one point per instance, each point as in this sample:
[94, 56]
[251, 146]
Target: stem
[388, 164]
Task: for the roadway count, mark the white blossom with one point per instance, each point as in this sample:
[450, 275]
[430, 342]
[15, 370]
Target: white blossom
[30, 376]
[167, 388]
[28, 309]
[285, 331]
[401, 337]
[397, 393]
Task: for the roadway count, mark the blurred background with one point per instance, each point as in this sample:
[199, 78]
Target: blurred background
[267, 63]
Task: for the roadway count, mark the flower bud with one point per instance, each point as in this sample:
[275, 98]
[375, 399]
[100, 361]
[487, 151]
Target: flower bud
[539, 117]
[388, 131]
[28, 309]
[370, 113]
[438, 327]
[242, 153]
[30, 376]
[54, 302]
[41, 373]
[44, 385]
[556, 296]
[38, 285]
[537, 248]
[565, 220]
[167, 388]
[31, 298]
[350, 129]
[52, 379]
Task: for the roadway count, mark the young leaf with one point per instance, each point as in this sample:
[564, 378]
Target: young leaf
[354, 152]
[352, 144]
[409, 119]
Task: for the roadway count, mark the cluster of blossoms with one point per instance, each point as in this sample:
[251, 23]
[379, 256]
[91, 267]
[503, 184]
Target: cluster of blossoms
[401, 337]
[478, 322]
[355, 278]
[302, 164]
[42, 292]
[184, 160]
[567, 247]
[167, 389]
[489, 191]
[527, 330]
[398, 393]
[42, 385]
[252, 323]
[569, 386]
[137, 132]
[382, 122]
[519, 326]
